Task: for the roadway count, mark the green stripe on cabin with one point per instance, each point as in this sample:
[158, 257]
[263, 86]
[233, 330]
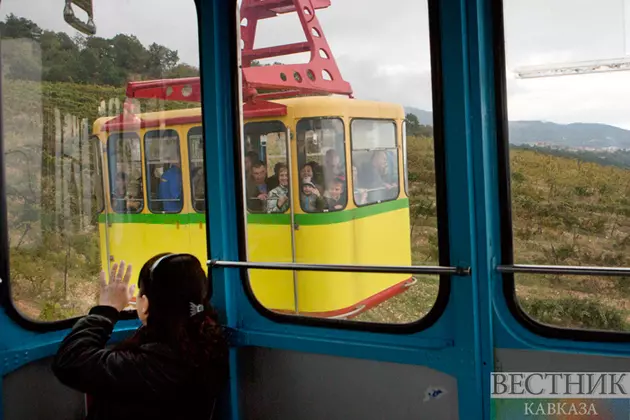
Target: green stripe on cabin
[310, 219]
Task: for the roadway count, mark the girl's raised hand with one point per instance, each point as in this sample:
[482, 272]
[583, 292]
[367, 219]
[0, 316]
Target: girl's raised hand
[117, 292]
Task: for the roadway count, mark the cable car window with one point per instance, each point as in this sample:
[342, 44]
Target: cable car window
[266, 169]
[404, 145]
[322, 164]
[375, 157]
[334, 137]
[197, 171]
[76, 171]
[125, 173]
[164, 171]
[567, 165]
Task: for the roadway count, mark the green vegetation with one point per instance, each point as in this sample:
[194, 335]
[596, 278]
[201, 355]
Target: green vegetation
[31, 53]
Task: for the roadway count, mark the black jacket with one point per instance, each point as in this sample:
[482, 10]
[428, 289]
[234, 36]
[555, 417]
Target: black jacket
[150, 382]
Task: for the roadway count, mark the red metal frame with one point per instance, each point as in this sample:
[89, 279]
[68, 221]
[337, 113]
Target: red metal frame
[320, 76]
[360, 307]
[309, 78]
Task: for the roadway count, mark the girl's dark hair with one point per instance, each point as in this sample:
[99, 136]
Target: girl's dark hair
[176, 282]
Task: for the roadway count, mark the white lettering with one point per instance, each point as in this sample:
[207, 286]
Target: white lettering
[559, 409]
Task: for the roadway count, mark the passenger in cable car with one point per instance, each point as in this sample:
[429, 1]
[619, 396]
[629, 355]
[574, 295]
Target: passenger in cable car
[278, 199]
[318, 176]
[332, 165]
[122, 200]
[251, 157]
[309, 171]
[334, 195]
[257, 188]
[173, 365]
[306, 171]
[374, 178]
[310, 197]
[170, 189]
[272, 181]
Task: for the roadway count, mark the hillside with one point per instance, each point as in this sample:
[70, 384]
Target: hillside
[576, 135]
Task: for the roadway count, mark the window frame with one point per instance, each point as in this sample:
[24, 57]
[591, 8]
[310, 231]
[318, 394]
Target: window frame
[505, 208]
[6, 296]
[99, 146]
[444, 288]
[403, 136]
[399, 190]
[147, 172]
[190, 168]
[110, 173]
[287, 150]
[345, 161]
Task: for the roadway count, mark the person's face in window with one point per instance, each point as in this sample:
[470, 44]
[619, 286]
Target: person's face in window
[306, 172]
[307, 189]
[259, 174]
[332, 159]
[283, 177]
[380, 163]
[335, 189]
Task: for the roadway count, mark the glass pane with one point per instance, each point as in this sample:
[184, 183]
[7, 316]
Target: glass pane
[375, 161]
[569, 162]
[322, 163]
[266, 151]
[76, 178]
[345, 201]
[164, 171]
[125, 170]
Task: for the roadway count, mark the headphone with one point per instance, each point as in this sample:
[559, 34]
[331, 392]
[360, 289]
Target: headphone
[157, 263]
[168, 257]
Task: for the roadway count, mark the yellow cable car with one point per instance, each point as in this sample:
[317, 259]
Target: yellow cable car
[323, 148]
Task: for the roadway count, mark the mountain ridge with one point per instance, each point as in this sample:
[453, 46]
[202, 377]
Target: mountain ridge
[576, 135]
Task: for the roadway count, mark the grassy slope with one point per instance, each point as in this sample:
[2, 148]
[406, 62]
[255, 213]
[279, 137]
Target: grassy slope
[565, 212]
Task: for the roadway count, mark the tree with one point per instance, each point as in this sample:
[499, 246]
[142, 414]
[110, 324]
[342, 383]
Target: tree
[414, 128]
[15, 27]
[130, 54]
[412, 120]
[80, 59]
[183, 70]
[161, 60]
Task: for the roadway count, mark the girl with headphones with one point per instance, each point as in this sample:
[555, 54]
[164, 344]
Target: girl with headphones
[175, 364]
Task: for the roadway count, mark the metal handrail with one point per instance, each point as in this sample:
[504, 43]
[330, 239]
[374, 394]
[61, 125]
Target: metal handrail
[410, 269]
[566, 270]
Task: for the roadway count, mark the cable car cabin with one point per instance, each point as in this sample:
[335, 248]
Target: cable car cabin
[332, 165]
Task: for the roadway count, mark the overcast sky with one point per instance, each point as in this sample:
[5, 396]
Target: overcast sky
[383, 51]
